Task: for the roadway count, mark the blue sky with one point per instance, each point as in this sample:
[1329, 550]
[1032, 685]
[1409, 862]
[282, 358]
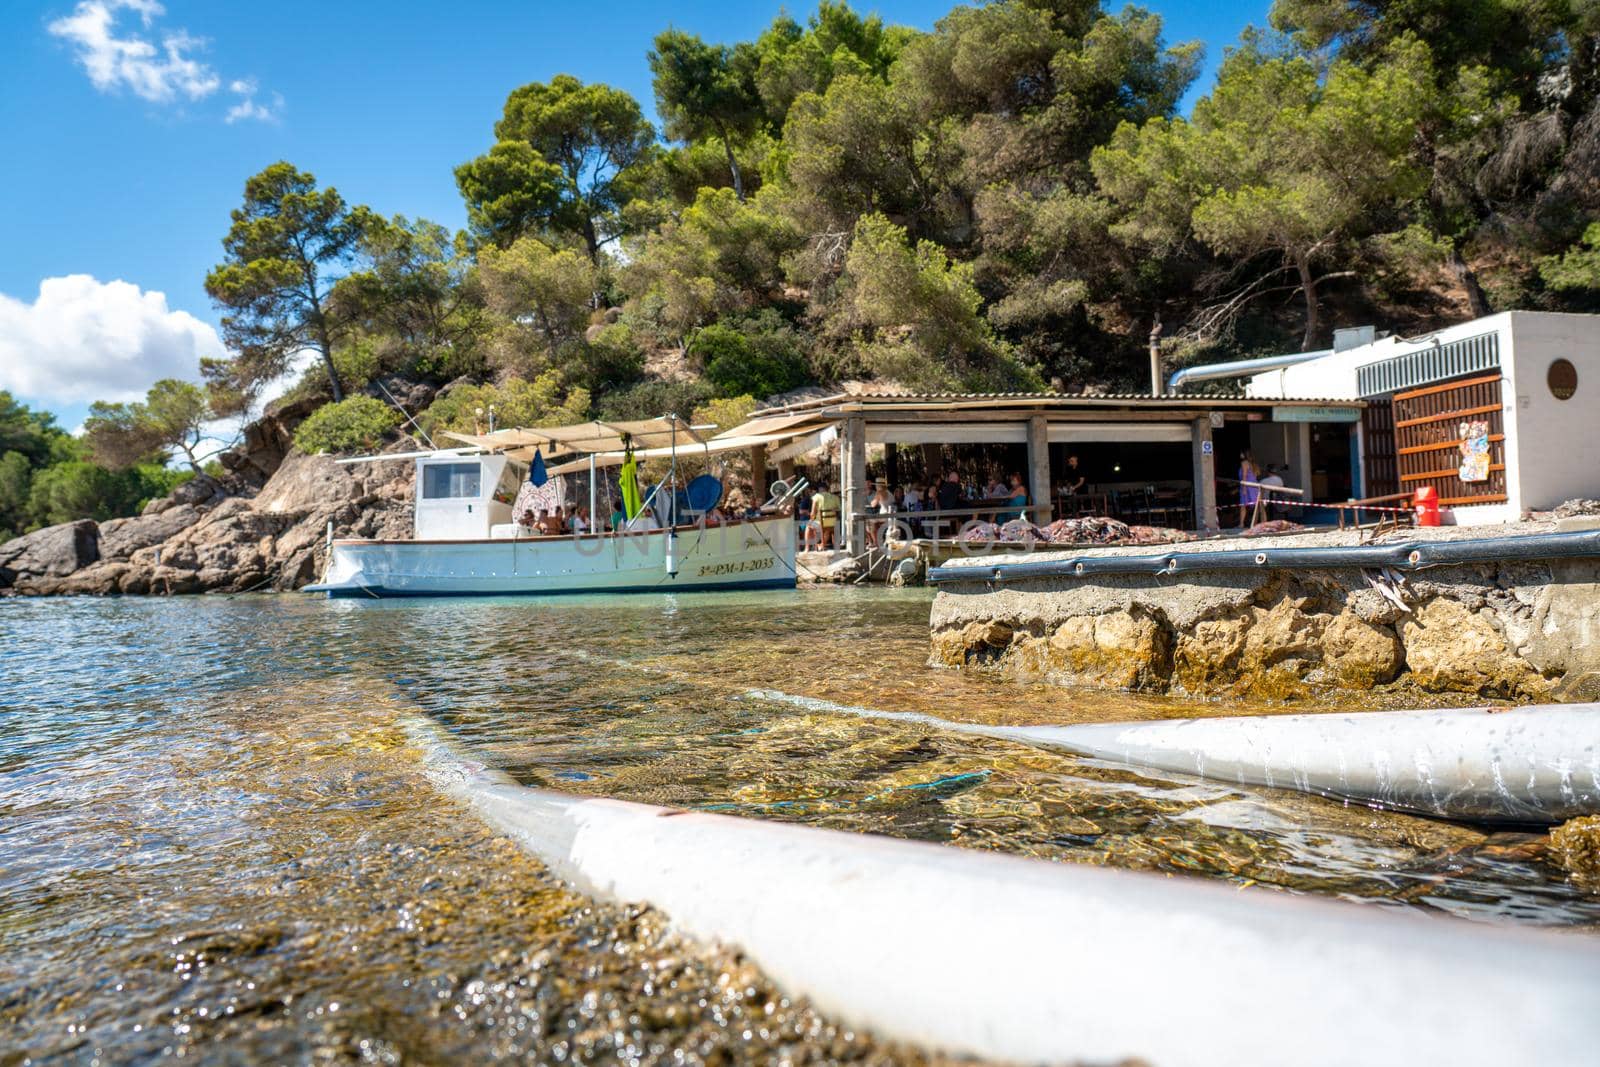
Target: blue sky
[131, 180]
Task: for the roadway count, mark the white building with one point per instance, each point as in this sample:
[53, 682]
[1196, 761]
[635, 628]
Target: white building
[1521, 387]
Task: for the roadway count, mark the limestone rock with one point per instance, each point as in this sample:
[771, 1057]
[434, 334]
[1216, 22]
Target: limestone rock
[978, 642]
[1205, 659]
[1359, 654]
[121, 538]
[53, 552]
[1118, 649]
[1450, 648]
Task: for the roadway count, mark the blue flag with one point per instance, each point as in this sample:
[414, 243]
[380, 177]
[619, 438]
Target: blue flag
[536, 474]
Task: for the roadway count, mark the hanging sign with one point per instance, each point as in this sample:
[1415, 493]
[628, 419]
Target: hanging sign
[1320, 414]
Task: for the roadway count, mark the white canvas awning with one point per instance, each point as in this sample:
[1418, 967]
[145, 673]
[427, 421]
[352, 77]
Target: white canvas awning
[686, 449]
[519, 442]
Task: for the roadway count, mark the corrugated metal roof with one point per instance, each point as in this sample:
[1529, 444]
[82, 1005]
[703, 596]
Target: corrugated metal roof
[866, 398]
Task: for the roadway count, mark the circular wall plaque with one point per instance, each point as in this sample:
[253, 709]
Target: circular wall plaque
[1562, 379]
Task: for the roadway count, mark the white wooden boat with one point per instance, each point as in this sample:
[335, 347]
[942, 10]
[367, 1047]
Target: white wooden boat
[466, 542]
[745, 555]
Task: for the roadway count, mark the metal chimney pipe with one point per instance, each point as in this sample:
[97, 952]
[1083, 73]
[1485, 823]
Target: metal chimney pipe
[1155, 357]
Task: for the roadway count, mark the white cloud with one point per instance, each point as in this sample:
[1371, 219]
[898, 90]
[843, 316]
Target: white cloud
[158, 74]
[82, 339]
[158, 66]
[247, 108]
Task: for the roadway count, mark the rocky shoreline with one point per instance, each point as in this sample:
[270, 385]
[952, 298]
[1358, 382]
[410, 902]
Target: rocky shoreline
[261, 526]
[1518, 631]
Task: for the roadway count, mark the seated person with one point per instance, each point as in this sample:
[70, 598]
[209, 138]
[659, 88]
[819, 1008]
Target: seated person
[618, 517]
[551, 525]
[528, 521]
[645, 520]
[578, 523]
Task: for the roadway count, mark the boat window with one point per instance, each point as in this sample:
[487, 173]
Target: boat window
[443, 480]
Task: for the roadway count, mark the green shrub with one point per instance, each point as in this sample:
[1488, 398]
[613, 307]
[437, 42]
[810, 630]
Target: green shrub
[652, 399]
[354, 423]
[757, 356]
[516, 402]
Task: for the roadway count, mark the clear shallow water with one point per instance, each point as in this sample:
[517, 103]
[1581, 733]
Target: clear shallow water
[212, 838]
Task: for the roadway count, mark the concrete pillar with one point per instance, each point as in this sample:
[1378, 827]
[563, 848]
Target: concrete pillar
[1205, 475]
[891, 466]
[1039, 468]
[932, 462]
[758, 473]
[1300, 457]
[853, 460]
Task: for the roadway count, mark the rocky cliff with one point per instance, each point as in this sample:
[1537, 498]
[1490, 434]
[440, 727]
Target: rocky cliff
[263, 525]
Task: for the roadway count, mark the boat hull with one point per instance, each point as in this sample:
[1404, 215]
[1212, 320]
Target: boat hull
[747, 555]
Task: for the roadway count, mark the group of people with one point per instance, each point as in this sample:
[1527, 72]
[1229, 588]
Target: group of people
[571, 519]
[1253, 481]
[950, 501]
[574, 519]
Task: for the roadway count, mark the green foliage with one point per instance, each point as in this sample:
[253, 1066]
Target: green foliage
[914, 314]
[653, 398]
[720, 256]
[517, 402]
[546, 289]
[355, 423]
[275, 280]
[414, 308]
[1276, 159]
[16, 482]
[757, 356]
[512, 190]
[706, 90]
[1578, 269]
[792, 60]
[172, 416]
[80, 489]
[33, 434]
[593, 135]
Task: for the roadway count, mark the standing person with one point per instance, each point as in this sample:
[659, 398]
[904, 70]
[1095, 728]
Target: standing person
[825, 515]
[1248, 494]
[1274, 501]
[950, 492]
[618, 516]
[1077, 478]
[881, 502]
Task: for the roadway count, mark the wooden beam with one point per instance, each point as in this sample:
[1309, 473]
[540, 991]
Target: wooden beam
[758, 472]
[1205, 475]
[1039, 468]
[853, 458]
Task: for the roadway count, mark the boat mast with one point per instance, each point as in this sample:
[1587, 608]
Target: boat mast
[672, 482]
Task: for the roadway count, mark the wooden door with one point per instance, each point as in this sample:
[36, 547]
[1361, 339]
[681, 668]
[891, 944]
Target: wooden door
[1380, 476]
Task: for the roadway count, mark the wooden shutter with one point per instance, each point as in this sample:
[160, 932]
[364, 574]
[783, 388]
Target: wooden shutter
[1427, 438]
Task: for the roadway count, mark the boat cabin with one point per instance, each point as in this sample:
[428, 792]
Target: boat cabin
[460, 498]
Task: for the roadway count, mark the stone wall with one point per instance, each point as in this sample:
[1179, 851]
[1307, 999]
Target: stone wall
[1522, 631]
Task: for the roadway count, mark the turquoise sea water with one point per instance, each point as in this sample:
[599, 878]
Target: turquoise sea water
[213, 839]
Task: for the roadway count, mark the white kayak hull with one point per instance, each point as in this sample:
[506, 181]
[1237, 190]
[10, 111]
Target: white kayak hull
[1524, 765]
[746, 555]
[1025, 961]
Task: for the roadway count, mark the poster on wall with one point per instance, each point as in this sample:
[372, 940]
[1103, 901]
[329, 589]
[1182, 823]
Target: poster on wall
[1474, 451]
